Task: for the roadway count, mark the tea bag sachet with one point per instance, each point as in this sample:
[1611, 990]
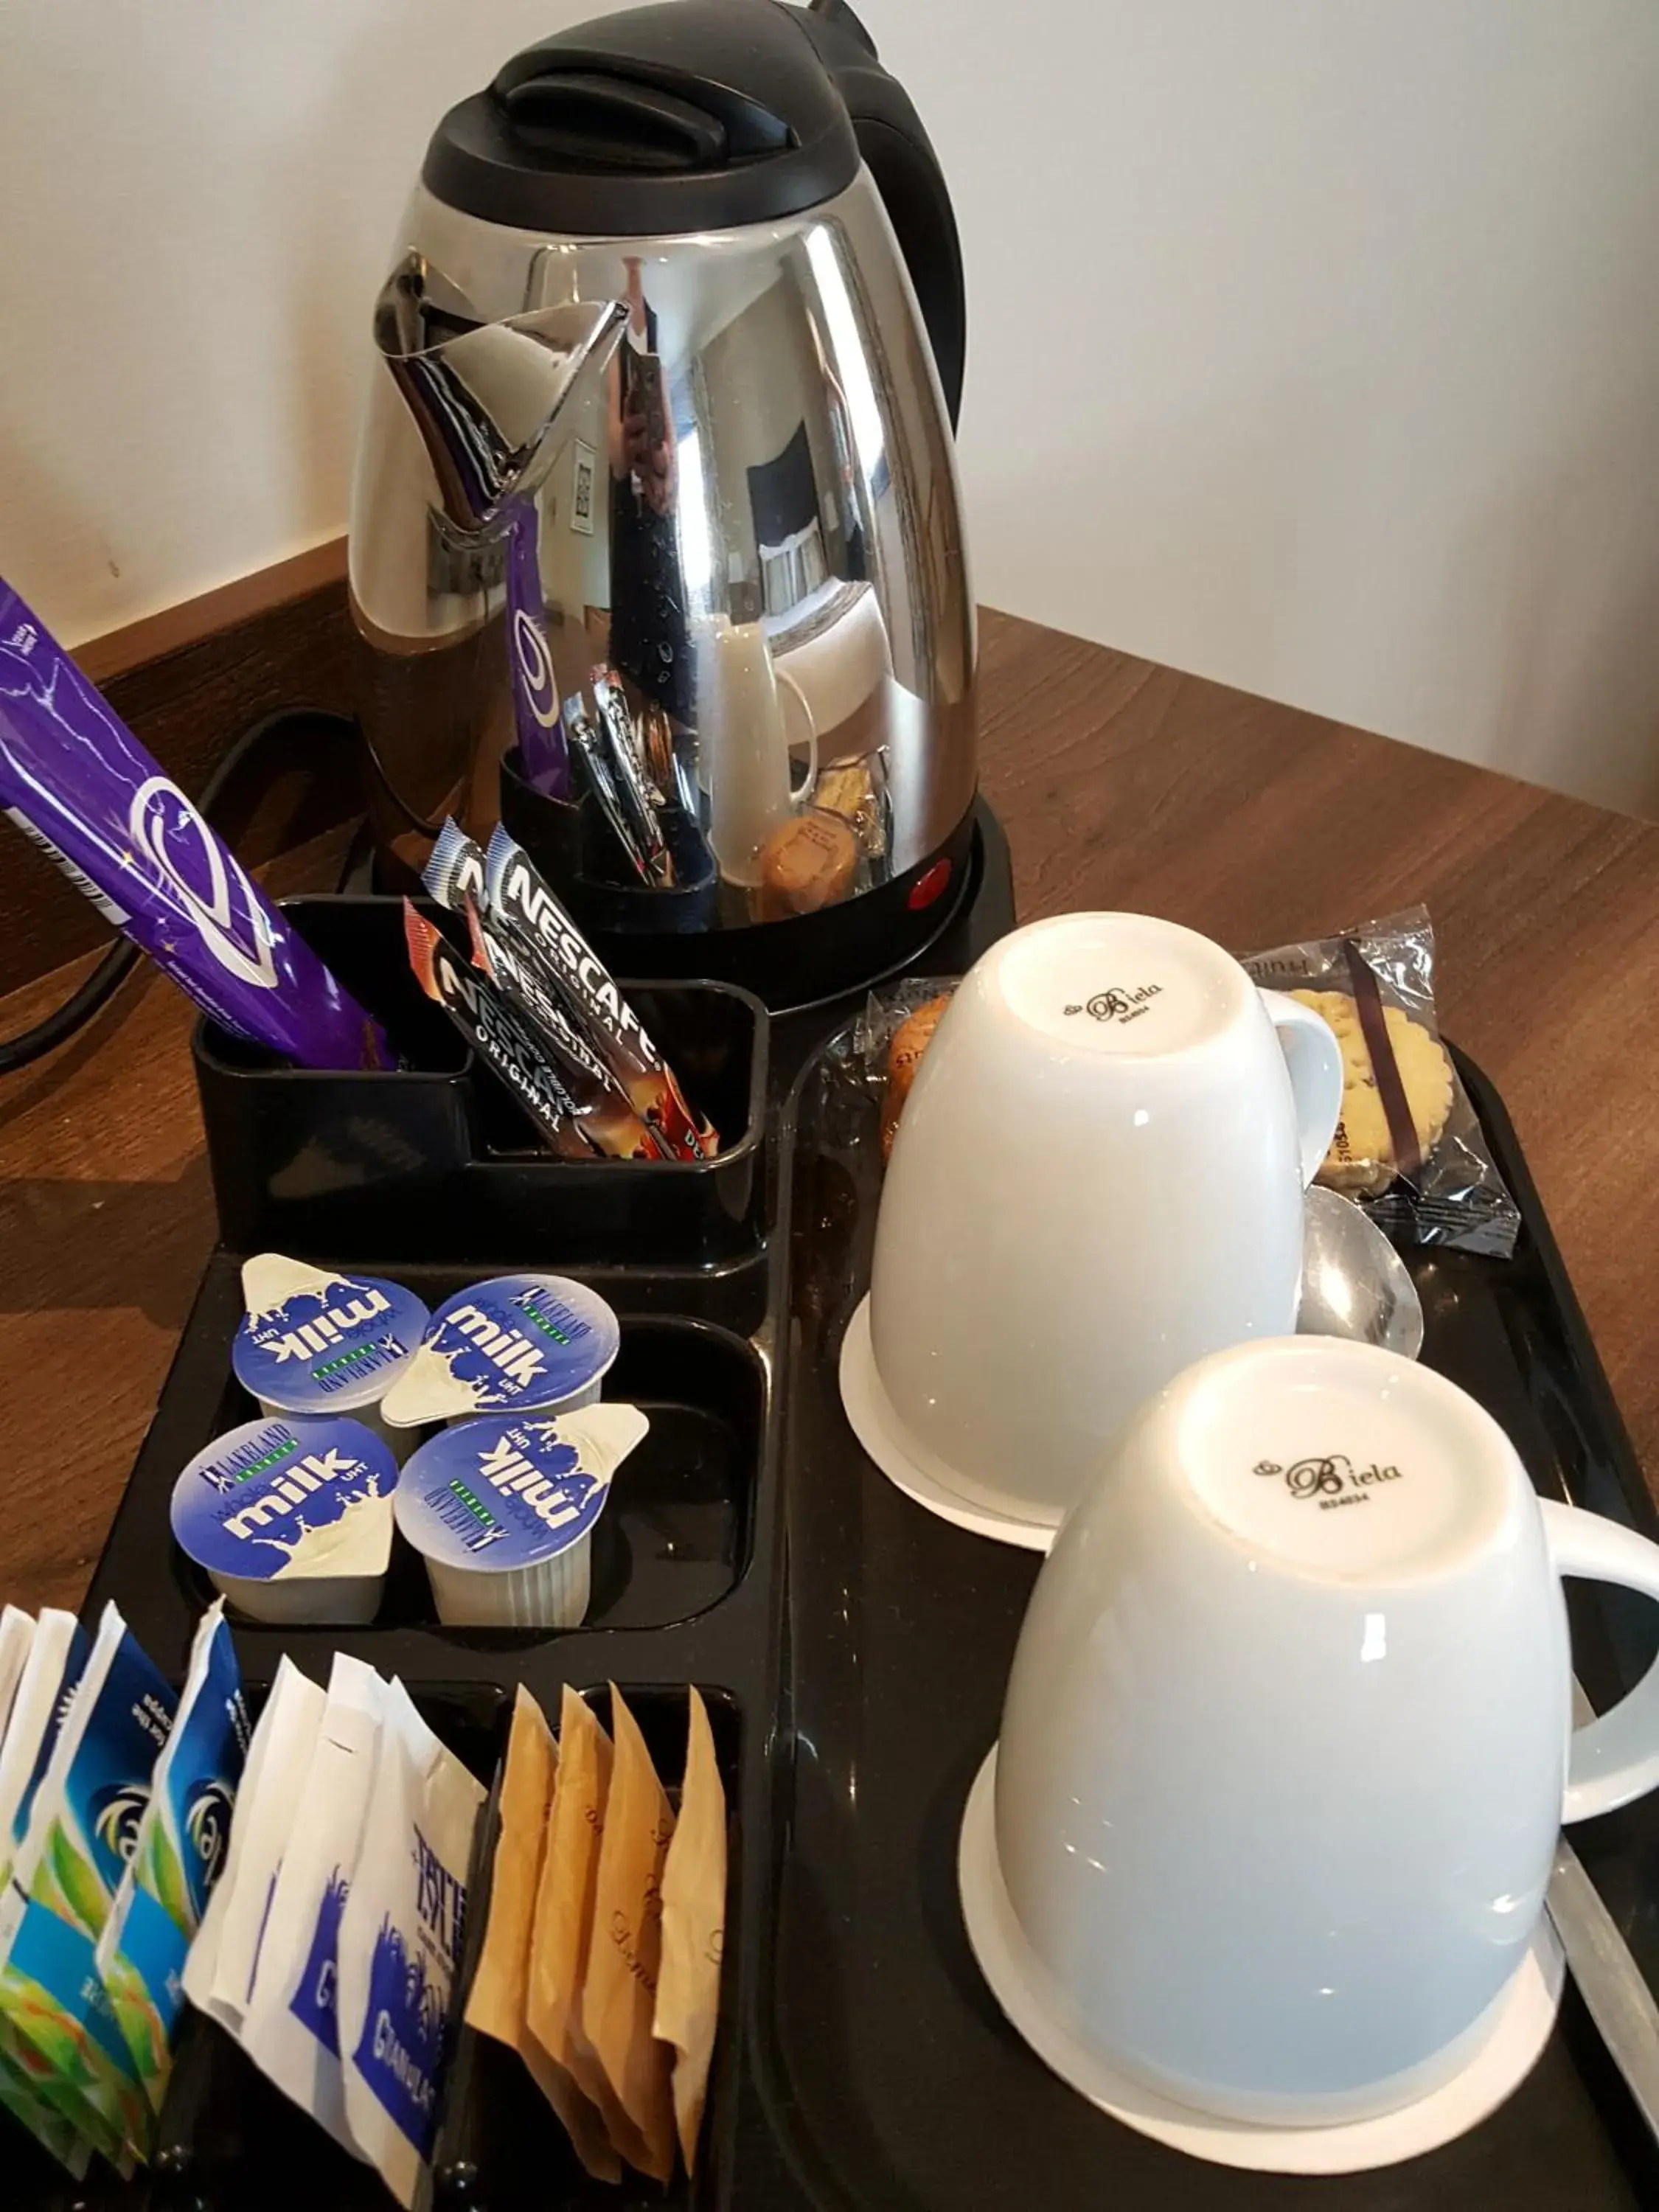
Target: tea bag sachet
[56, 1648]
[82, 1826]
[692, 1930]
[620, 1993]
[290, 2029]
[498, 2003]
[219, 1973]
[58, 1653]
[43, 2120]
[399, 1943]
[178, 1856]
[564, 1919]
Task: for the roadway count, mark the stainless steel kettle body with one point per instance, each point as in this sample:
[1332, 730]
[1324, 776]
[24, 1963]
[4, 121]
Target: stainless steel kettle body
[656, 548]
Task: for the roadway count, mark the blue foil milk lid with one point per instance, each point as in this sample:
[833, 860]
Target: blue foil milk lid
[494, 1496]
[276, 1499]
[517, 1343]
[316, 1343]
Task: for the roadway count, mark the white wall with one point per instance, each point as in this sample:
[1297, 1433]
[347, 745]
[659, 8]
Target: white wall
[198, 199]
[1314, 344]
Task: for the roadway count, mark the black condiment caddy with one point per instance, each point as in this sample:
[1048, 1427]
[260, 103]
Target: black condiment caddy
[851, 1648]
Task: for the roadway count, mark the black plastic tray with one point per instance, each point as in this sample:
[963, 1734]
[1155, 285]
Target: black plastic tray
[435, 1160]
[852, 1651]
[902, 2085]
[687, 1563]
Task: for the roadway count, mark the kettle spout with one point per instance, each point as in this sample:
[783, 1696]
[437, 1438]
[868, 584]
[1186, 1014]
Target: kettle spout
[485, 395]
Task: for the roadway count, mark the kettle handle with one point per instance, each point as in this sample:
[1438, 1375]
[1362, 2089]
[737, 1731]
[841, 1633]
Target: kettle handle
[899, 157]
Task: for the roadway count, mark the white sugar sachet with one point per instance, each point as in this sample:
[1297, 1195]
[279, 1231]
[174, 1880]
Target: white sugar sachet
[291, 2028]
[219, 1971]
[399, 1943]
[16, 1635]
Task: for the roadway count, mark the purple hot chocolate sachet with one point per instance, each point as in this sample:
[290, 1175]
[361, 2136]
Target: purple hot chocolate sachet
[77, 781]
[544, 753]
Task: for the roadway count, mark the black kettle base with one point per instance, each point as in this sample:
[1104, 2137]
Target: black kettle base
[813, 959]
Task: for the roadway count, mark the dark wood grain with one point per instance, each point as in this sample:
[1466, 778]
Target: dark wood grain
[1121, 784]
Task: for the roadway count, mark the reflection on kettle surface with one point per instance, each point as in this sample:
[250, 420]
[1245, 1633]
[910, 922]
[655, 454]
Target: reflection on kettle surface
[680, 523]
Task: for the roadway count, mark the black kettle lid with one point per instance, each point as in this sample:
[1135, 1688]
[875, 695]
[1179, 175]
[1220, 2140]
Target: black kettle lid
[691, 115]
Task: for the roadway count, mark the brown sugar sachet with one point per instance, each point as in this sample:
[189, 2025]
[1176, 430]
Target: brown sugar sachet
[496, 2003]
[560, 1949]
[620, 1995]
[692, 1930]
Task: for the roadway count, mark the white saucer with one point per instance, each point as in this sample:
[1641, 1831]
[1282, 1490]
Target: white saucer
[1497, 2069]
[878, 1429]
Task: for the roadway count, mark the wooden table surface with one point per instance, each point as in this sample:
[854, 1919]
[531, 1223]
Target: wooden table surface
[1120, 784]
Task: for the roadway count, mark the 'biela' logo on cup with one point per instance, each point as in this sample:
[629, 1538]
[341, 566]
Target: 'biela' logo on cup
[1330, 1481]
[1118, 1005]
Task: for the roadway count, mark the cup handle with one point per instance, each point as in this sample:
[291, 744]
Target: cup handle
[1314, 1060]
[1614, 1758]
[801, 791]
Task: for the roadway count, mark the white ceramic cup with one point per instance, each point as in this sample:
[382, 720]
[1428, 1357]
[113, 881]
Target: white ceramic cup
[1286, 1742]
[1097, 1179]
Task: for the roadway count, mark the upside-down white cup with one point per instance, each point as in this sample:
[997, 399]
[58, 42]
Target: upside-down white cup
[1098, 1179]
[1286, 1742]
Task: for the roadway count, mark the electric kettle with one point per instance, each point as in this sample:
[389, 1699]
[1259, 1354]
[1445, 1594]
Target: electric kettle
[655, 547]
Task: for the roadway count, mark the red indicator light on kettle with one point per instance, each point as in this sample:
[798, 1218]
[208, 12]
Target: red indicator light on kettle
[928, 886]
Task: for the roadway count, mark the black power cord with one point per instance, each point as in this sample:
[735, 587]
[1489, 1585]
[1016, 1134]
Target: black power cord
[107, 978]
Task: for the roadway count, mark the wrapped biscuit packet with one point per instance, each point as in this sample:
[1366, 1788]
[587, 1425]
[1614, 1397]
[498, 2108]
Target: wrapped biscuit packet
[1408, 1147]
[692, 1930]
[876, 1055]
[561, 1945]
[619, 1995]
[497, 2004]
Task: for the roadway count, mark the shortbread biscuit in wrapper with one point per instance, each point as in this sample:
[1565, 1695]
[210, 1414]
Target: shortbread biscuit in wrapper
[904, 1056]
[1410, 1148]
[501, 1036]
[497, 2004]
[1415, 1095]
[518, 899]
[619, 1997]
[599, 1102]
